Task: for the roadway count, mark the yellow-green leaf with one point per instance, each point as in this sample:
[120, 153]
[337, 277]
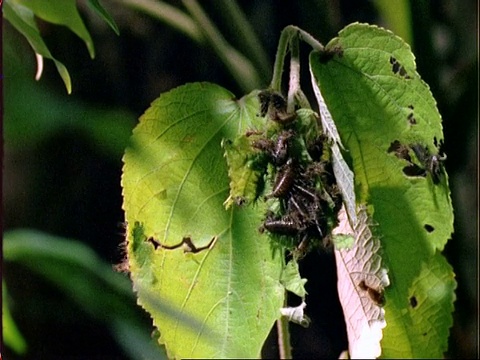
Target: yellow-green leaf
[175, 182]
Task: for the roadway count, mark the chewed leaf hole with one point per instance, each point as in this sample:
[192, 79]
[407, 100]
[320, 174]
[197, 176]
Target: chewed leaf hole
[414, 170]
[429, 228]
[413, 302]
[400, 150]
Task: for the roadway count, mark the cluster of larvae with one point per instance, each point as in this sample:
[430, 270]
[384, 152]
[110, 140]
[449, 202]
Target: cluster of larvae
[304, 196]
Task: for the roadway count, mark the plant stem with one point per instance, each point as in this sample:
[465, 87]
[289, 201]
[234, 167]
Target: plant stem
[239, 66]
[294, 82]
[283, 45]
[169, 15]
[284, 346]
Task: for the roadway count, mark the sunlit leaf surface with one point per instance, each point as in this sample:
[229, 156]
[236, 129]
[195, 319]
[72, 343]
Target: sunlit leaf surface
[175, 182]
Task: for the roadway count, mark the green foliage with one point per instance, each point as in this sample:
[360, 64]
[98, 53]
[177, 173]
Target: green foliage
[48, 114]
[97, 290]
[367, 77]
[174, 183]
[21, 13]
[374, 104]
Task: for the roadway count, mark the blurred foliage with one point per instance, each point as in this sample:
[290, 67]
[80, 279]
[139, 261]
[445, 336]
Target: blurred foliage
[21, 14]
[62, 155]
[78, 272]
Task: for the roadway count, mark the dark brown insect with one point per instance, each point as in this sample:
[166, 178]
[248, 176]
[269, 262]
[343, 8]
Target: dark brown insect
[433, 163]
[278, 150]
[282, 226]
[400, 150]
[315, 147]
[284, 180]
[281, 149]
[274, 104]
[376, 295]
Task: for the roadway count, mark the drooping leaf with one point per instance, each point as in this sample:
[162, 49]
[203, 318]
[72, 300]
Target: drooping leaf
[22, 19]
[63, 12]
[383, 112]
[104, 14]
[210, 264]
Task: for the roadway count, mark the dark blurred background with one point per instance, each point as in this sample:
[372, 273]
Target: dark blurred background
[62, 153]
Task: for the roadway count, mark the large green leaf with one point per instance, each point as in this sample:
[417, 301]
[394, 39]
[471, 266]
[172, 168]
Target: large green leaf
[175, 181]
[377, 99]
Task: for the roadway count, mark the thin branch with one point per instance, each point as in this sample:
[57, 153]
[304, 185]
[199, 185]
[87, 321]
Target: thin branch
[284, 346]
[294, 82]
[284, 44]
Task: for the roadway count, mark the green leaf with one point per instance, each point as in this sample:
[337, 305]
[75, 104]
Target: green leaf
[292, 280]
[377, 99]
[175, 181]
[22, 19]
[49, 113]
[104, 14]
[63, 12]
[244, 176]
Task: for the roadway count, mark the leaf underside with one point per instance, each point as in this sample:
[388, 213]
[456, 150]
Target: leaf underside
[377, 99]
[223, 299]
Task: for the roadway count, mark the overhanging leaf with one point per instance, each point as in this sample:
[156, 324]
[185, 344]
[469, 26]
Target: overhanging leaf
[22, 19]
[104, 14]
[174, 184]
[63, 12]
[382, 110]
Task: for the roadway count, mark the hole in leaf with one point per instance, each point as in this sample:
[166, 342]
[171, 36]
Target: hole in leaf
[411, 119]
[186, 243]
[401, 151]
[413, 302]
[397, 68]
[155, 243]
[414, 170]
[429, 228]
